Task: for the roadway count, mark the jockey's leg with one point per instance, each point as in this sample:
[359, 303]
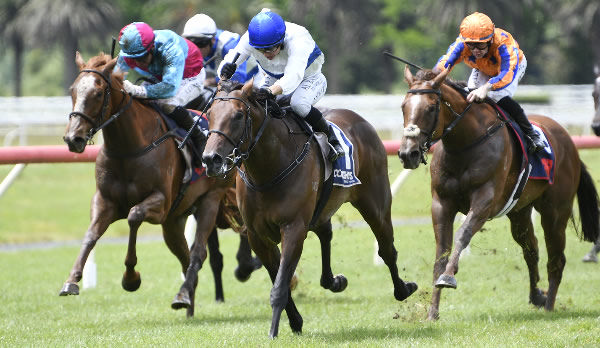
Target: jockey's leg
[185, 120]
[317, 121]
[516, 112]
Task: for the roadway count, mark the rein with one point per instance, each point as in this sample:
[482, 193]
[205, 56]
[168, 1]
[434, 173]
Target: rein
[237, 156]
[457, 117]
[95, 128]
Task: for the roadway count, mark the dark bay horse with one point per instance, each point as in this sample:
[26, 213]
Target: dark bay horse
[474, 170]
[284, 171]
[592, 256]
[139, 176]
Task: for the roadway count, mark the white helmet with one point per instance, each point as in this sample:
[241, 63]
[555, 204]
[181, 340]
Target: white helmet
[200, 25]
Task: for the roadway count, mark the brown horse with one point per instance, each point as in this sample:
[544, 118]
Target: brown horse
[139, 176]
[474, 171]
[283, 174]
[592, 256]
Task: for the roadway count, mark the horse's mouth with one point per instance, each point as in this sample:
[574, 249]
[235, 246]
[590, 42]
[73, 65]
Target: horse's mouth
[410, 159]
[76, 144]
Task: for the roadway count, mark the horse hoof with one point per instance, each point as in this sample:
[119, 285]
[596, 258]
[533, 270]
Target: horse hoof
[242, 274]
[69, 289]
[590, 257]
[446, 281]
[132, 285]
[181, 301]
[403, 295]
[538, 298]
[339, 283]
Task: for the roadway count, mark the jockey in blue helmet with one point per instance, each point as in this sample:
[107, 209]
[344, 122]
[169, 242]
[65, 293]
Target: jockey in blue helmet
[172, 63]
[289, 63]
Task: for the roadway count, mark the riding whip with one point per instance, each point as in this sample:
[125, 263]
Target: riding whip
[212, 96]
[112, 49]
[402, 60]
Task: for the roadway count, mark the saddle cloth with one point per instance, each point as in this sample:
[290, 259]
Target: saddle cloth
[536, 166]
[343, 169]
[192, 174]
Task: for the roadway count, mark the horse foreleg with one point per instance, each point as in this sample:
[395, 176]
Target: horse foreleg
[246, 263]
[522, 231]
[150, 209]
[443, 214]
[102, 215]
[328, 281]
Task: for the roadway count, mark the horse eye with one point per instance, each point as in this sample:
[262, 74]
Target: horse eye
[430, 108]
[238, 115]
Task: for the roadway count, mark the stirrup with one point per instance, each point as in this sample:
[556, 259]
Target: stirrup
[334, 154]
[536, 145]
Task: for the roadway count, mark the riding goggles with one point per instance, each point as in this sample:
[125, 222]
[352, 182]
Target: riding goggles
[201, 41]
[478, 45]
[269, 49]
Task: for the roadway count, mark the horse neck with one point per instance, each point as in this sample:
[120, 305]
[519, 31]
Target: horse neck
[470, 127]
[133, 128]
[272, 152]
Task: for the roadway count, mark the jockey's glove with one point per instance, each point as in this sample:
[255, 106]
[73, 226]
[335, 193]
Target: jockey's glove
[264, 93]
[135, 90]
[228, 70]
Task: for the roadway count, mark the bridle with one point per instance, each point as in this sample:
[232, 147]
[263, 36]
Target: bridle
[238, 155]
[424, 148]
[106, 97]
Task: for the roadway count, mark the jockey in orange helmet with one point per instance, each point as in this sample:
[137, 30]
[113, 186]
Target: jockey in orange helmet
[498, 65]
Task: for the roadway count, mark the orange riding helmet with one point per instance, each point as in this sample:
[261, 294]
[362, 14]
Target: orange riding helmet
[477, 27]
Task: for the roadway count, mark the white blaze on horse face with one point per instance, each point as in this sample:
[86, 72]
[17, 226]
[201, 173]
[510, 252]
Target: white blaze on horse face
[83, 88]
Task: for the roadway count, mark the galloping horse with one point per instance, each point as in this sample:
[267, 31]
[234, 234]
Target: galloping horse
[282, 180]
[139, 176]
[474, 170]
[592, 256]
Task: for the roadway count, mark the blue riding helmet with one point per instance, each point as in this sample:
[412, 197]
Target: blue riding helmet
[136, 39]
[266, 29]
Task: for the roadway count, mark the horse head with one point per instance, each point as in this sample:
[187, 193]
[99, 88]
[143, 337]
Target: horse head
[421, 108]
[596, 95]
[91, 98]
[231, 116]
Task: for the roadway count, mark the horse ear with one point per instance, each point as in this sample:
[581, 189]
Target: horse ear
[408, 76]
[247, 89]
[79, 60]
[108, 68]
[437, 81]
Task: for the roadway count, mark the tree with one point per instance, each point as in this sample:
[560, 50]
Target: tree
[67, 21]
[13, 31]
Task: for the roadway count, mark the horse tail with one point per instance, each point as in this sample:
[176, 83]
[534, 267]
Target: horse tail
[587, 197]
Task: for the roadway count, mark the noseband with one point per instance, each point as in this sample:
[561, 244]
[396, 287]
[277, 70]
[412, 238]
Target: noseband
[106, 97]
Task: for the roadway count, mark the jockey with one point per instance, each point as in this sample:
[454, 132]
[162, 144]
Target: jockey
[214, 42]
[289, 65]
[172, 63]
[498, 65]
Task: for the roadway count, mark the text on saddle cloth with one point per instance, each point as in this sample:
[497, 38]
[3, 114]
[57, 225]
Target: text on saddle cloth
[343, 168]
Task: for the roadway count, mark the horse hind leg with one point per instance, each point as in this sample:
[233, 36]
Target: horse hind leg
[554, 234]
[377, 213]
[592, 255]
[328, 281]
[246, 263]
[216, 264]
[522, 232]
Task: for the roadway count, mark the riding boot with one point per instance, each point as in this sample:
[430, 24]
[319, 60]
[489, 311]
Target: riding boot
[318, 123]
[535, 143]
[185, 120]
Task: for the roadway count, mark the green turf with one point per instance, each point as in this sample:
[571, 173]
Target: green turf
[489, 308]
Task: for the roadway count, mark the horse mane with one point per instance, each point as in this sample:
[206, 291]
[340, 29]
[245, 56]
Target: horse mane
[100, 61]
[428, 75]
[230, 85]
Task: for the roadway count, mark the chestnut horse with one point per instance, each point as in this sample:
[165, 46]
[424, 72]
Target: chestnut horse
[139, 175]
[474, 170]
[283, 174]
[592, 256]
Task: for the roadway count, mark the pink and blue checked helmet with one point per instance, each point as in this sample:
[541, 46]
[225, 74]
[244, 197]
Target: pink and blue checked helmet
[136, 39]
[266, 29]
